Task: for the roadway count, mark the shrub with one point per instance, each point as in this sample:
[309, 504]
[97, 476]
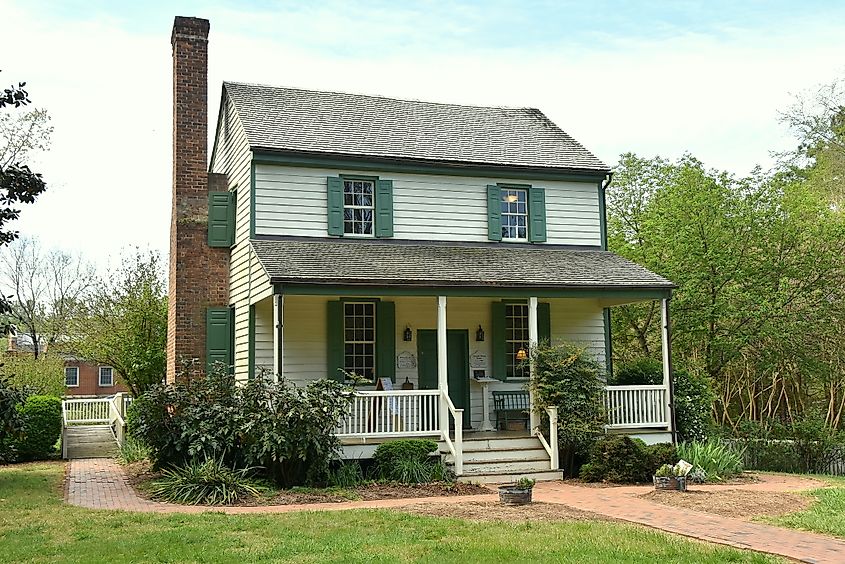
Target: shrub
[566, 377]
[719, 460]
[408, 461]
[693, 394]
[42, 426]
[618, 459]
[132, 450]
[11, 421]
[815, 444]
[286, 430]
[204, 483]
[662, 453]
[347, 474]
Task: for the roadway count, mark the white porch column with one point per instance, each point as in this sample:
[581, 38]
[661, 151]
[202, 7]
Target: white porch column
[442, 378]
[278, 335]
[665, 339]
[533, 337]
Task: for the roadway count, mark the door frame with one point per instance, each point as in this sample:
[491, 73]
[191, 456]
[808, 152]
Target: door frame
[465, 368]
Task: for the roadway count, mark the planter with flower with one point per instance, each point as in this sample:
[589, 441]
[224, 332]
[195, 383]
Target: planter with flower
[518, 493]
[672, 477]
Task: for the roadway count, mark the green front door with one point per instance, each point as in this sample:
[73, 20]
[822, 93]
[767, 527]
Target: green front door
[457, 365]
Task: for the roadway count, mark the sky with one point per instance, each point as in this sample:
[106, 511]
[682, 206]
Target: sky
[654, 78]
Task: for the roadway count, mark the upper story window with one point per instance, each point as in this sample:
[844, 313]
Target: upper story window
[514, 214]
[359, 338]
[71, 376]
[516, 340]
[358, 204]
[106, 376]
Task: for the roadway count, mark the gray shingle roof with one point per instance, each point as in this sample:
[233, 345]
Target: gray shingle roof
[342, 262]
[290, 119]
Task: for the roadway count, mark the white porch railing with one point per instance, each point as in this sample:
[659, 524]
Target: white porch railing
[551, 445]
[392, 413]
[95, 411]
[455, 447]
[636, 406]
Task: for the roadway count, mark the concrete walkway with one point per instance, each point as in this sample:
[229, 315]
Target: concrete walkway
[100, 483]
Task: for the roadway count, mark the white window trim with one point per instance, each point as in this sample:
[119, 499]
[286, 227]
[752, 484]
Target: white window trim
[527, 214]
[76, 368]
[371, 207]
[100, 377]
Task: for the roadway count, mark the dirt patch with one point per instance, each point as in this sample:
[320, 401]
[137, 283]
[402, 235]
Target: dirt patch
[741, 504]
[369, 492]
[485, 511]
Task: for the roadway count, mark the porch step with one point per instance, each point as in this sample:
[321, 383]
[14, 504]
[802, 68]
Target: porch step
[89, 441]
[481, 456]
[491, 459]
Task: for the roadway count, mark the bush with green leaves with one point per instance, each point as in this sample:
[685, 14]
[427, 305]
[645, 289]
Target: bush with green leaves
[286, 430]
[132, 450]
[618, 459]
[345, 474]
[42, 426]
[11, 421]
[662, 453]
[210, 482]
[408, 461]
[565, 376]
[693, 394]
[718, 459]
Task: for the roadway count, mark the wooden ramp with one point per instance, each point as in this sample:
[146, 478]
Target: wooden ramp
[89, 441]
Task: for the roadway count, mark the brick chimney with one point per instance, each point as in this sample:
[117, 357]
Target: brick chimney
[199, 274]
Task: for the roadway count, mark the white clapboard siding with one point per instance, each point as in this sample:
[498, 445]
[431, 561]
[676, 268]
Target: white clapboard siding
[292, 201]
[577, 321]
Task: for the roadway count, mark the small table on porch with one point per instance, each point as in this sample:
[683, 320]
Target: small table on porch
[486, 425]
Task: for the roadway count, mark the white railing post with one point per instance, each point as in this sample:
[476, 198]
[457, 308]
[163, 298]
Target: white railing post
[555, 454]
[459, 441]
[533, 338]
[666, 350]
[442, 364]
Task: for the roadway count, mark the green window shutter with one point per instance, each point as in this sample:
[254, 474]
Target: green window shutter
[537, 213]
[544, 323]
[498, 341]
[218, 336]
[386, 340]
[384, 208]
[494, 212]
[335, 205]
[334, 340]
[221, 224]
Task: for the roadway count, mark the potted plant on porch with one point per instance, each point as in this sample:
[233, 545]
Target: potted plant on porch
[518, 493]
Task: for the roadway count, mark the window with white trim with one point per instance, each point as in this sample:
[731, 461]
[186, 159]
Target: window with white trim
[359, 338]
[514, 214]
[106, 376]
[516, 339]
[71, 376]
[358, 207]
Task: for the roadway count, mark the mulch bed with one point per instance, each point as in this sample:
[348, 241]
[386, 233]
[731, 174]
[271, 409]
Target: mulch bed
[487, 511]
[741, 504]
[140, 473]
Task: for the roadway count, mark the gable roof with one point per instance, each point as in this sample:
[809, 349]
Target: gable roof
[354, 125]
[357, 262]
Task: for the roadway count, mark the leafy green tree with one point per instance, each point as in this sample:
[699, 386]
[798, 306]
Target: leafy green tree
[124, 322]
[43, 375]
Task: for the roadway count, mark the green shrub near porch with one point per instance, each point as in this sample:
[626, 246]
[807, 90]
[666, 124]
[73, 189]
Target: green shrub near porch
[42, 426]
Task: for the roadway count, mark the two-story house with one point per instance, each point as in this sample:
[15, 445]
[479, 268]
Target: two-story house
[424, 246]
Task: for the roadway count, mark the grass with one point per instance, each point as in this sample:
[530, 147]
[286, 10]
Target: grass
[35, 526]
[826, 515]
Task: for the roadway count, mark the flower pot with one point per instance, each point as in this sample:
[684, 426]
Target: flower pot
[678, 483]
[512, 495]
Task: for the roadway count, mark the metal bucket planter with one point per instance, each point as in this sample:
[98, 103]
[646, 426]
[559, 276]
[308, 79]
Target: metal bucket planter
[678, 483]
[512, 495]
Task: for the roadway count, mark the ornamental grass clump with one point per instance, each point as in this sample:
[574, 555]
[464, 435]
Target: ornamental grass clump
[718, 460]
[409, 461]
[205, 483]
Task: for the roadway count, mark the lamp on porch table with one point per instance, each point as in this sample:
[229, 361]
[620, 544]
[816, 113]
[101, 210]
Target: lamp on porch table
[479, 335]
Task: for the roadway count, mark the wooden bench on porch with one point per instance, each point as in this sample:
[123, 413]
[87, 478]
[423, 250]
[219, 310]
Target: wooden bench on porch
[510, 407]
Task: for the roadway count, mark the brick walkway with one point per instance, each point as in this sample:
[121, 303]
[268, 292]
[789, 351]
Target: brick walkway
[100, 483]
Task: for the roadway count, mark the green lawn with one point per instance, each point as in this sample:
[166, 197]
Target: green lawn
[826, 515]
[36, 526]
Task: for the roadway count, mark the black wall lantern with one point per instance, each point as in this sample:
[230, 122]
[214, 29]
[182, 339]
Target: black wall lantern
[407, 335]
[479, 335]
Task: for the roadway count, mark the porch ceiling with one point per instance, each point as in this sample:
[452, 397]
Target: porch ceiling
[333, 262]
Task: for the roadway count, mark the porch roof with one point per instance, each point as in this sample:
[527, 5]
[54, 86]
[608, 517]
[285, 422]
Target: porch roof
[415, 264]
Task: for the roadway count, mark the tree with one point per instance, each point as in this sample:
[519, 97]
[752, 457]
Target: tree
[46, 289]
[124, 322]
[18, 184]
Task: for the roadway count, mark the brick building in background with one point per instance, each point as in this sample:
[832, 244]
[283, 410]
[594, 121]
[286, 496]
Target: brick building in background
[83, 378]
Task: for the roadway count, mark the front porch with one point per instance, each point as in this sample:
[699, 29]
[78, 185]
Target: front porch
[443, 370]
